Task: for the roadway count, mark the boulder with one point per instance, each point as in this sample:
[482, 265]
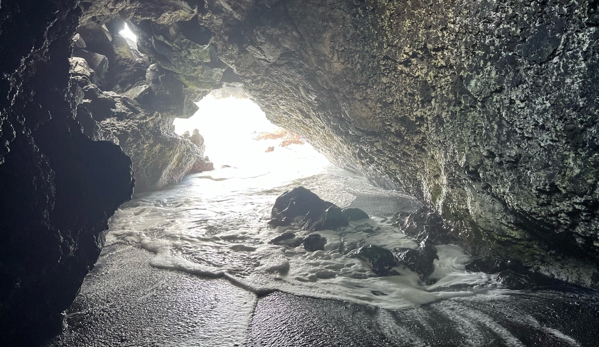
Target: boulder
[314, 242]
[379, 259]
[287, 239]
[353, 214]
[511, 273]
[306, 209]
[418, 260]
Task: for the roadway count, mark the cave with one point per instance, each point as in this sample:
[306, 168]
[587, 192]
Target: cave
[484, 114]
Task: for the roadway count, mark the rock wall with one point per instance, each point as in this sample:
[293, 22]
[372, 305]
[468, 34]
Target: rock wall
[486, 111]
[126, 98]
[58, 187]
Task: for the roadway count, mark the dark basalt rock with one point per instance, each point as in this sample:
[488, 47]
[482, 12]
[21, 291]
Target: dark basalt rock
[512, 273]
[334, 218]
[353, 214]
[314, 242]
[296, 203]
[287, 239]
[379, 259]
[58, 187]
[305, 208]
[419, 260]
[424, 224]
[137, 113]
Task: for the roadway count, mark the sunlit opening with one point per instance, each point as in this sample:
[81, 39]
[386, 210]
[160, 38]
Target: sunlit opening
[128, 34]
[237, 135]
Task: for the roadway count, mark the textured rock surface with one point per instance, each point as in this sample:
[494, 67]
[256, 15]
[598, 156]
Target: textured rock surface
[58, 187]
[418, 260]
[379, 259]
[486, 111]
[314, 242]
[487, 117]
[125, 98]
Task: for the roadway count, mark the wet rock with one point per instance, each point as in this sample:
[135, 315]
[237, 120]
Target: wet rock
[490, 265]
[296, 203]
[314, 242]
[515, 280]
[512, 273]
[424, 224]
[305, 208]
[287, 239]
[58, 187]
[282, 237]
[346, 246]
[380, 260]
[353, 214]
[334, 218]
[419, 260]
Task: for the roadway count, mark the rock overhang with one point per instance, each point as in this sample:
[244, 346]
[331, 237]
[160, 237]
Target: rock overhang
[488, 120]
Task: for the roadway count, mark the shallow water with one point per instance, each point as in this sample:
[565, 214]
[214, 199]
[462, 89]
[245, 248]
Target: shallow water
[154, 283]
[215, 224]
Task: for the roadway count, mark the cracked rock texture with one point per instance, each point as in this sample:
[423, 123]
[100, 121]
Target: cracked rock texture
[58, 187]
[125, 98]
[486, 111]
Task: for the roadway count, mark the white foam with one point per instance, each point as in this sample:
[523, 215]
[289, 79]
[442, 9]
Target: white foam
[217, 227]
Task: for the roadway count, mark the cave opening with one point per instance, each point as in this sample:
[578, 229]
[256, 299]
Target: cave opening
[238, 138]
[128, 34]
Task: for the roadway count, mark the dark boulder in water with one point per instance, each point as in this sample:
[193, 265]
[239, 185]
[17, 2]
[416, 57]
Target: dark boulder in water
[419, 260]
[333, 219]
[287, 239]
[379, 259]
[299, 202]
[354, 214]
[305, 208]
[314, 242]
[512, 273]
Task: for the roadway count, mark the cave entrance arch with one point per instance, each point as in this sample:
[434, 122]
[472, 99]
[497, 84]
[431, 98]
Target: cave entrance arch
[235, 134]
